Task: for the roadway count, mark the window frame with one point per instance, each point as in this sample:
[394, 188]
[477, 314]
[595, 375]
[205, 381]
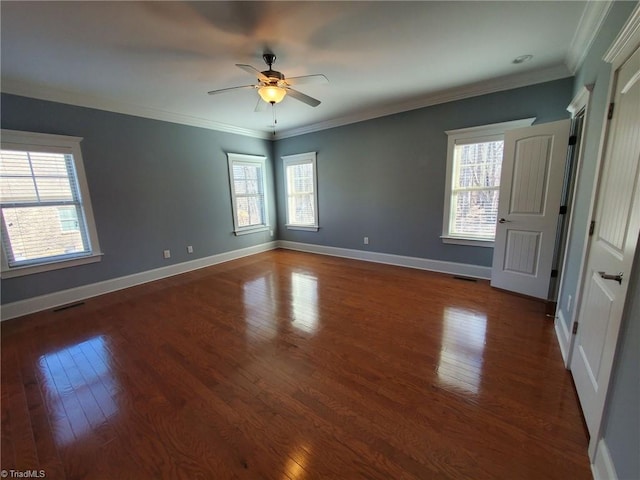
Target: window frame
[68, 145]
[301, 159]
[466, 136]
[261, 161]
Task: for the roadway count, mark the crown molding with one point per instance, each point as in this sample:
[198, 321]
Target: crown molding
[32, 90]
[591, 20]
[627, 38]
[459, 93]
[580, 100]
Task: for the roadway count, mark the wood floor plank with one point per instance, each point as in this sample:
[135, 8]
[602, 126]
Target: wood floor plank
[23, 441]
[9, 384]
[48, 454]
[287, 365]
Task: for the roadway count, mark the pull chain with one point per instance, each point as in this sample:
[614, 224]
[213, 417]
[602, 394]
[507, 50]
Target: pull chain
[275, 120]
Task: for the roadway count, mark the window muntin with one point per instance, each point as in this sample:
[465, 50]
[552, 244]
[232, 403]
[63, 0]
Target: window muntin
[472, 188]
[46, 223]
[248, 193]
[300, 191]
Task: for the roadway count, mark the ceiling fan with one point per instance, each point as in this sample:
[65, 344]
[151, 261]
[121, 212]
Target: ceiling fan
[273, 87]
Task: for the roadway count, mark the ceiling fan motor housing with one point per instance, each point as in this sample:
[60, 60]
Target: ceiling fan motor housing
[273, 75]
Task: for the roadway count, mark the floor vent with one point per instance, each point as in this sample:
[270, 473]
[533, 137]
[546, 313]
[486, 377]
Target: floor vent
[466, 279]
[67, 307]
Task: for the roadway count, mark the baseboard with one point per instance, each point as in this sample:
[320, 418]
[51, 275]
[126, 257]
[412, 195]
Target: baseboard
[602, 467]
[563, 336]
[64, 297]
[453, 268]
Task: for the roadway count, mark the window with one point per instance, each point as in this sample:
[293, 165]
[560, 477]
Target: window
[300, 190]
[472, 190]
[47, 220]
[248, 198]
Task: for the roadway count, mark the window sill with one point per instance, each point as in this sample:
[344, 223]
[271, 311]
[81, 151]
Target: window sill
[13, 272]
[472, 242]
[247, 231]
[307, 228]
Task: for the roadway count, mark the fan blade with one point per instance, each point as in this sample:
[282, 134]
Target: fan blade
[253, 71]
[261, 106]
[312, 102]
[222, 90]
[307, 79]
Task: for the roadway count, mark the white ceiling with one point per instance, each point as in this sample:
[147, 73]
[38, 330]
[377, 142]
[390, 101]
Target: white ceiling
[158, 59]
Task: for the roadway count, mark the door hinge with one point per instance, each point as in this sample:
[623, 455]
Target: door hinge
[573, 139]
[592, 227]
[575, 328]
[610, 113]
[554, 273]
[563, 209]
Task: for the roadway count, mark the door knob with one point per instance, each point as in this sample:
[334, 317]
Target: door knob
[503, 220]
[615, 278]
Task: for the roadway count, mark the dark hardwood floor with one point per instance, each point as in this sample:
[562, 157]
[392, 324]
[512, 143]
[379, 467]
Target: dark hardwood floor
[287, 365]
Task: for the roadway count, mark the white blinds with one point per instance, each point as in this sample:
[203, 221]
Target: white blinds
[248, 190]
[475, 189]
[300, 194]
[42, 214]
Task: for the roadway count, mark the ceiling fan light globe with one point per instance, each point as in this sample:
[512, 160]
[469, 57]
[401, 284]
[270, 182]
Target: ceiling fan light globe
[272, 94]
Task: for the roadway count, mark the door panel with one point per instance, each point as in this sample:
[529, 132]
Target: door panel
[522, 252]
[596, 318]
[529, 182]
[530, 191]
[619, 185]
[611, 251]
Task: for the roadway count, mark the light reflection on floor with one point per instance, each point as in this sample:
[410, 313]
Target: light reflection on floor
[462, 349]
[79, 385]
[297, 461]
[260, 309]
[304, 302]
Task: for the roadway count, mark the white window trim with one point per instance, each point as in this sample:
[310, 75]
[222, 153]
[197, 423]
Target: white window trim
[45, 142]
[301, 158]
[251, 159]
[491, 132]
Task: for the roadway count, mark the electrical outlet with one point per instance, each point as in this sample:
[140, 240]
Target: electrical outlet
[166, 253]
[190, 249]
[366, 240]
[271, 233]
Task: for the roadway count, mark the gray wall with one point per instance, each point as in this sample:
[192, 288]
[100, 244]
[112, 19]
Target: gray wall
[622, 423]
[384, 178]
[154, 186]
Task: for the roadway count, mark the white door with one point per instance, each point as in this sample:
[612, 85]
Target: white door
[611, 250]
[530, 191]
